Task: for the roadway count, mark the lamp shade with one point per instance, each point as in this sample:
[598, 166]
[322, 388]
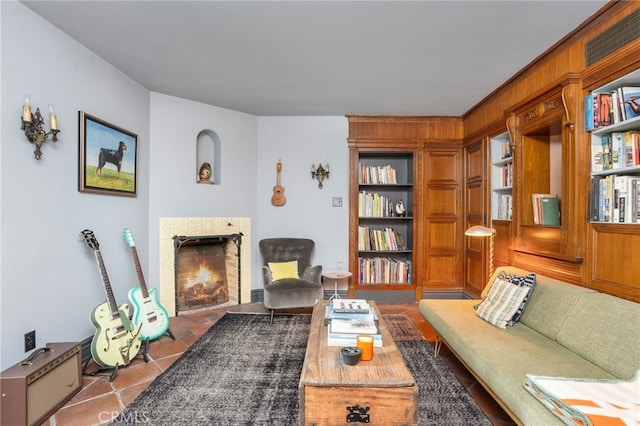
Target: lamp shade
[479, 231]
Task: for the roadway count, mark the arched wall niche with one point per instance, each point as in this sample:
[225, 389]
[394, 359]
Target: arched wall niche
[209, 150]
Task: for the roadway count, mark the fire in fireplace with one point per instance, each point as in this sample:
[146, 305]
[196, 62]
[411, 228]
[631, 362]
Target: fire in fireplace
[207, 271]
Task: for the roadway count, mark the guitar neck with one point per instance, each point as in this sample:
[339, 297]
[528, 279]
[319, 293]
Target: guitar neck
[278, 170]
[136, 261]
[113, 307]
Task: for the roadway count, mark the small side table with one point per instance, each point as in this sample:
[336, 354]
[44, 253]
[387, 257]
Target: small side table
[336, 276]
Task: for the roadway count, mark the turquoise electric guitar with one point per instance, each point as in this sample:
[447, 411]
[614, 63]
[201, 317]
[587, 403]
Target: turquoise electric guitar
[117, 340]
[147, 310]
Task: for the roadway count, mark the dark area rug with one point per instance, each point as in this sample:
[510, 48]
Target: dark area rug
[244, 371]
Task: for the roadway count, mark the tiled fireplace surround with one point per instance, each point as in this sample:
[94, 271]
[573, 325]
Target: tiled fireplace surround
[195, 227]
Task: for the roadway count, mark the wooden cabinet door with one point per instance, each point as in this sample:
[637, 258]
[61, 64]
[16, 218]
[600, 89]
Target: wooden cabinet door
[442, 188]
[477, 210]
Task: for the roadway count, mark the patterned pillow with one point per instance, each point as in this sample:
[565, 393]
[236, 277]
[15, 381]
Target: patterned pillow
[522, 281]
[501, 303]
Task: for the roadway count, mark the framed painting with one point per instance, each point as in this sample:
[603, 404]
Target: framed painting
[108, 157]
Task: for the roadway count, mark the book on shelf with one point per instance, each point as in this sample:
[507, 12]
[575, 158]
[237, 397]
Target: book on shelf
[377, 174]
[630, 100]
[536, 201]
[550, 211]
[588, 112]
[384, 270]
[615, 199]
[597, 156]
[505, 207]
[598, 110]
[386, 239]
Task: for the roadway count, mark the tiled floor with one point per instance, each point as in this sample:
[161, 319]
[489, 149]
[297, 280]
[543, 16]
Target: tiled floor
[100, 400]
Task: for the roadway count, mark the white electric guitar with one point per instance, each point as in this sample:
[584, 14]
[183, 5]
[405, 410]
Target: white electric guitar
[147, 310]
[116, 340]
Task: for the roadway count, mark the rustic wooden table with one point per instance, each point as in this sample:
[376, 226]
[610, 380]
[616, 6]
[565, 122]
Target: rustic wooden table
[381, 391]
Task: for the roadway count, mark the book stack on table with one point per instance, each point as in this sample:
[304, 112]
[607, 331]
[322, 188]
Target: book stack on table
[348, 318]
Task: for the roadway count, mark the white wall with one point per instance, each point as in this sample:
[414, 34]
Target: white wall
[175, 126]
[49, 279]
[308, 212]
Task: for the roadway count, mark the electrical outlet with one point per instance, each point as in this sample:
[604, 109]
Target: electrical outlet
[30, 341]
[337, 201]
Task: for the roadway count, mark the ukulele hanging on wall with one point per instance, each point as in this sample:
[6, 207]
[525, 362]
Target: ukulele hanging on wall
[278, 199]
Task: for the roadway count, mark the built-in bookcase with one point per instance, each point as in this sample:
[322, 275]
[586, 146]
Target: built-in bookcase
[612, 115]
[501, 177]
[385, 219]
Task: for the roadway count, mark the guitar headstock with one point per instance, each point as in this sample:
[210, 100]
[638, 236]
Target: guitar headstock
[279, 166]
[128, 237]
[90, 240]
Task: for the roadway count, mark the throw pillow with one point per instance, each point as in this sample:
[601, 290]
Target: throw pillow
[522, 281]
[280, 270]
[501, 303]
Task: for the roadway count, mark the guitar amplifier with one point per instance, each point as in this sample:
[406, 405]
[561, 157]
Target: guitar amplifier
[32, 390]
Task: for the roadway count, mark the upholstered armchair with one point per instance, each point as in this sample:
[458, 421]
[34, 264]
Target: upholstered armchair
[290, 281]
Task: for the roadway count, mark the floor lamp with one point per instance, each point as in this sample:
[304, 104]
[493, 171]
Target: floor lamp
[483, 231]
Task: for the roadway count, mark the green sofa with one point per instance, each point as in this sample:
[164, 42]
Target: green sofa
[566, 331]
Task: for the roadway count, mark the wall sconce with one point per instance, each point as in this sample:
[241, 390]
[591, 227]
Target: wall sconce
[483, 231]
[33, 124]
[320, 173]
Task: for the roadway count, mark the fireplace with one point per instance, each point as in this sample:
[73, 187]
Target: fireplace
[207, 271]
[206, 240]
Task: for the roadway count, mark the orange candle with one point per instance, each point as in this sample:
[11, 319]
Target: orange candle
[365, 343]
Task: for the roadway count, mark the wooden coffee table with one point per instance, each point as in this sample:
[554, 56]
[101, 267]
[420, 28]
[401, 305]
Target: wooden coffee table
[381, 391]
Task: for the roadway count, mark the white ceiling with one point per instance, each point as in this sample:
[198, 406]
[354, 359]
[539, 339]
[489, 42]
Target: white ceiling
[291, 58]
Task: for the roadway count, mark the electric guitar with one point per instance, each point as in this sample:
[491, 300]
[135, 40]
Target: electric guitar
[117, 340]
[147, 310]
[278, 199]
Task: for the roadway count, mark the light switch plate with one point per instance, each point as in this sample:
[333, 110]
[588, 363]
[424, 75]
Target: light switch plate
[337, 201]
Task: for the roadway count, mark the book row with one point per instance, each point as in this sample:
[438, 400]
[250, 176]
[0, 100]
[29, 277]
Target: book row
[506, 175]
[615, 151]
[384, 270]
[546, 209]
[371, 204]
[377, 174]
[506, 150]
[605, 109]
[380, 239]
[615, 198]
[505, 207]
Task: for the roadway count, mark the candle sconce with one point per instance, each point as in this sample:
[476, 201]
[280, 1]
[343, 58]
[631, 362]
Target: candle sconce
[33, 127]
[320, 173]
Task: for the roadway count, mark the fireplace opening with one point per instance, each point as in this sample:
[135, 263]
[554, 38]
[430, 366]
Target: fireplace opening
[207, 271]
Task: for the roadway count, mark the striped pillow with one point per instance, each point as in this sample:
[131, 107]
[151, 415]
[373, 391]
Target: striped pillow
[501, 303]
[522, 281]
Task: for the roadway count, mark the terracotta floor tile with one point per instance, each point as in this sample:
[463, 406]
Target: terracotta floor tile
[159, 350]
[130, 393]
[135, 374]
[165, 363]
[92, 412]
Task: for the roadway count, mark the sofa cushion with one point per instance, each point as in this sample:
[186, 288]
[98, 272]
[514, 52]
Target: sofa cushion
[281, 270]
[528, 281]
[501, 303]
[606, 331]
[550, 304]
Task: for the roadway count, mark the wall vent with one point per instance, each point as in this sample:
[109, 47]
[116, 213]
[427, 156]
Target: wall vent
[619, 35]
